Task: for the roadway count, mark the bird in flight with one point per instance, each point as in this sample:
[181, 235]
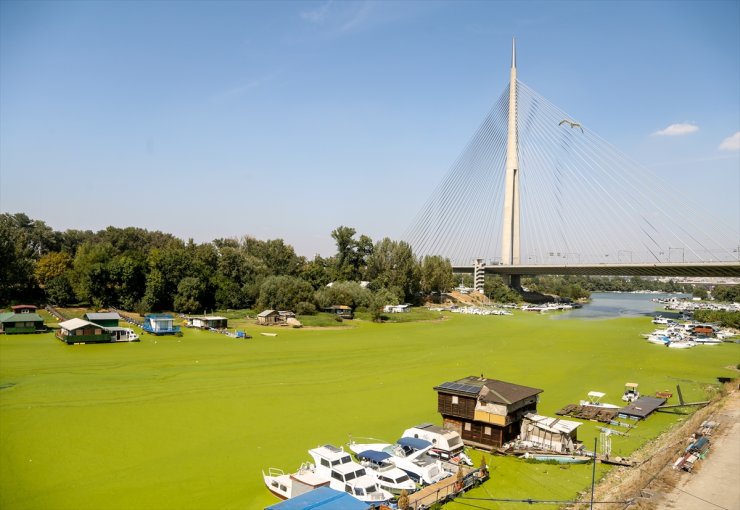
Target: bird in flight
[572, 124]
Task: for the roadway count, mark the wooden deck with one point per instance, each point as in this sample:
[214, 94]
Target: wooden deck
[443, 490]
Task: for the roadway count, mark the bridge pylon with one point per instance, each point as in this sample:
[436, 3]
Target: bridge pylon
[479, 275]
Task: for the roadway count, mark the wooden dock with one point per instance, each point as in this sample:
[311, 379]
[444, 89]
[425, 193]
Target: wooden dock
[446, 489]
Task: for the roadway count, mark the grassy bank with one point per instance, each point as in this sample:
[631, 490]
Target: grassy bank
[190, 422]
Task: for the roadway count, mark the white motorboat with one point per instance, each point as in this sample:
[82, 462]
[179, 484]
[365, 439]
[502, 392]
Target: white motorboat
[411, 455]
[286, 486]
[386, 474]
[347, 475]
[631, 393]
[594, 400]
[446, 444]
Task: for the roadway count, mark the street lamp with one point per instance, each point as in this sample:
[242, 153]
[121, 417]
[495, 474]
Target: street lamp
[683, 255]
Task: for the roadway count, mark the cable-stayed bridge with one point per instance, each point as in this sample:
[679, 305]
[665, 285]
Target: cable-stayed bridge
[536, 192]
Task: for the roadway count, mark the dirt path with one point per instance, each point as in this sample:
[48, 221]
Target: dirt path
[716, 484]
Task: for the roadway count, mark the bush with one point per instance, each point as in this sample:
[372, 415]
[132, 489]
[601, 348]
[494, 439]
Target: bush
[305, 308]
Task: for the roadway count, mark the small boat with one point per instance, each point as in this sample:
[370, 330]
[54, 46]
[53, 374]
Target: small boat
[346, 475]
[446, 444]
[286, 486]
[412, 455]
[561, 459]
[386, 474]
[594, 400]
[630, 392]
[268, 334]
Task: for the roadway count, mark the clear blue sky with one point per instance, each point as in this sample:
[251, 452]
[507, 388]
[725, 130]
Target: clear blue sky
[288, 119]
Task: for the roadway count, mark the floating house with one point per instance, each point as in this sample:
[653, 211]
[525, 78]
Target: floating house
[105, 319]
[160, 324]
[208, 322]
[343, 311]
[80, 331]
[485, 412]
[21, 322]
[551, 434]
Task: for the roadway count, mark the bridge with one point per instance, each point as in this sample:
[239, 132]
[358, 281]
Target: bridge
[536, 192]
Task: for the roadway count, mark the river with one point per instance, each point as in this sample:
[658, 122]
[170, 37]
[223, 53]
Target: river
[604, 305]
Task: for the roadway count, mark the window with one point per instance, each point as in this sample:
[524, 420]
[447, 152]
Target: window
[487, 431]
[325, 463]
[455, 399]
[336, 476]
[467, 427]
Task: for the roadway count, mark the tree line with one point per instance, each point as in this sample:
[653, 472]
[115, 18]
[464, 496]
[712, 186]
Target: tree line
[140, 270]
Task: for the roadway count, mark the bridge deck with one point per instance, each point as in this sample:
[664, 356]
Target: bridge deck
[699, 269]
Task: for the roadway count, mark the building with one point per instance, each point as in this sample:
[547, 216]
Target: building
[268, 317]
[23, 322]
[485, 412]
[343, 311]
[80, 331]
[208, 322]
[160, 324]
[105, 319]
[551, 434]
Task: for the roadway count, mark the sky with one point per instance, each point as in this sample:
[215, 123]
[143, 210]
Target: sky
[288, 119]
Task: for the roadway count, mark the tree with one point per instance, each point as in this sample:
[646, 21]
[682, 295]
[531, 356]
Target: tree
[435, 274]
[283, 292]
[351, 254]
[189, 296]
[392, 266]
[350, 294]
[52, 265]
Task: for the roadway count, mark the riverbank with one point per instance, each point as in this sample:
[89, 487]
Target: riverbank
[655, 485]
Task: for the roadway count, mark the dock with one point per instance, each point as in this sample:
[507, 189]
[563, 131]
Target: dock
[447, 489]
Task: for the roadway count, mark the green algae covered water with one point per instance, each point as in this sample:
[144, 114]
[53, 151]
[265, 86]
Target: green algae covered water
[190, 422]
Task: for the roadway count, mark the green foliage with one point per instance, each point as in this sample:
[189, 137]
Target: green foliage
[350, 294]
[497, 290]
[724, 318]
[727, 293]
[305, 308]
[700, 292]
[435, 275]
[189, 296]
[52, 265]
[283, 292]
[391, 266]
[351, 254]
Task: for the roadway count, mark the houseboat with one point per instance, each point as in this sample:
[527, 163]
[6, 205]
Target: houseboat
[347, 475]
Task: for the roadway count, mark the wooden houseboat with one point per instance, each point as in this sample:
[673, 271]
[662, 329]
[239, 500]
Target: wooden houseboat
[160, 324]
[80, 331]
[105, 319]
[485, 412]
[21, 322]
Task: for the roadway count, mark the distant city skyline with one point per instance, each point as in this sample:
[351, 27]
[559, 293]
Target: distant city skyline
[288, 119]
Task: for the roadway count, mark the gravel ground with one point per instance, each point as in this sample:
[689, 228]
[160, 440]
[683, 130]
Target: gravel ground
[716, 482]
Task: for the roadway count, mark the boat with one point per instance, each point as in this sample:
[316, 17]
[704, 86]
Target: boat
[680, 344]
[562, 459]
[594, 400]
[411, 455]
[630, 392]
[446, 444]
[386, 474]
[286, 486]
[346, 475]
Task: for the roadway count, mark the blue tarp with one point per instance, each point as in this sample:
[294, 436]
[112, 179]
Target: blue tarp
[414, 442]
[323, 498]
[374, 456]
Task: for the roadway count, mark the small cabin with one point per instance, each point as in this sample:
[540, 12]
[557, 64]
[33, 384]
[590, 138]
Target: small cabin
[160, 324]
[268, 317]
[80, 331]
[23, 322]
[485, 412]
[208, 322]
[105, 319]
[343, 311]
[551, 434]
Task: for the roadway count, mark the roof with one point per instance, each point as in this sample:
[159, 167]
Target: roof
[159, 316]
[323, 498]
[23, 307]
[210, 318]
[102, 316]
[265, 313]
[553, 424]
[73, 324]
[642, 407]
[374, 456]
[22, 317]
[414, 442]
[488, 390]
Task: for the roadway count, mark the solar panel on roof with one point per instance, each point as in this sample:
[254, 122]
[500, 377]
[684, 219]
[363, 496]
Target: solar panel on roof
[465, 388]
